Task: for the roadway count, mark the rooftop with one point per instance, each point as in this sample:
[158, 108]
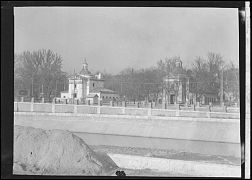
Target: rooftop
[104, 90]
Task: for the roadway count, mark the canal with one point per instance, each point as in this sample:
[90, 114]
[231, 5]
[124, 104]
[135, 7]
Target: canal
[192, 146]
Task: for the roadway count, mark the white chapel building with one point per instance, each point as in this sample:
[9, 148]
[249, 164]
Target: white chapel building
[87, 86]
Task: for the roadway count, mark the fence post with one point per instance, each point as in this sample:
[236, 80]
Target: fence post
[225, 109]
[123, 110]
[99, 102]
[164, 105]
[124, 103]
[150, 105]
[75, 108]
[53, 107]
[210, 107]
[149, 109]
[99, 106]
[22, 99]
[177, 112]
[32, 105]
[177, 106]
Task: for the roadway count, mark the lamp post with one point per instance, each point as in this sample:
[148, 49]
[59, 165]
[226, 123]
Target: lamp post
[222, 86]
[32, 85]
[56, 89]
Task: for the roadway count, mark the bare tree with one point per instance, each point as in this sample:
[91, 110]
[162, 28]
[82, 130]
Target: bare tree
[39, 70]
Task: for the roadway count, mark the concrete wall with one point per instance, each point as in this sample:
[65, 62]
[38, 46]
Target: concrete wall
[111, 110]
[203, 129]
[22, 106]
[136, 112]
[70, 108]
[162, 112]
[86, 109]
[64, 108]
[42, 107]
[193, 114]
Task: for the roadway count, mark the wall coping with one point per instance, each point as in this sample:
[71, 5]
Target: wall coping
[131, 108]
[133, 117]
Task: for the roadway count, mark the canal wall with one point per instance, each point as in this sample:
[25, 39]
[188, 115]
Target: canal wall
[173, 127]
[199, 112]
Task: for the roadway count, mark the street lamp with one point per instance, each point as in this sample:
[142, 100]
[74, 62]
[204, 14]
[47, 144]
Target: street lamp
[32, 85]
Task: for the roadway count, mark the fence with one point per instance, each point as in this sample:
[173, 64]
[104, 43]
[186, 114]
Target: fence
[176, 110]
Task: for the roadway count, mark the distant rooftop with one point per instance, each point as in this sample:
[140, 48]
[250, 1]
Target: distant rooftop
[104, 90]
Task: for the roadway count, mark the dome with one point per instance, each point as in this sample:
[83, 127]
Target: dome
[84, 70]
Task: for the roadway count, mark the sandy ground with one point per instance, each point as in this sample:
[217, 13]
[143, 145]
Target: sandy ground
[169, 154]
[56, 152]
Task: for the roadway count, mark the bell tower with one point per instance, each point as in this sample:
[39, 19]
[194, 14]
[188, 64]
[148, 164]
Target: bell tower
[85, 65]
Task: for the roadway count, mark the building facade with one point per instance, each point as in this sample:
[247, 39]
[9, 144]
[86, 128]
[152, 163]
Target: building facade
[85, 85]
[176, 86]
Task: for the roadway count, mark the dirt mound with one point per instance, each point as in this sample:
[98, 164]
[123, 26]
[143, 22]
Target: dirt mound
[57, 152]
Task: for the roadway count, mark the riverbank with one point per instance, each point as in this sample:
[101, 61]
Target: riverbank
[168, 154]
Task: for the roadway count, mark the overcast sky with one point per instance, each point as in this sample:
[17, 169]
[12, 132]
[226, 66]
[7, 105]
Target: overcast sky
[112, 39]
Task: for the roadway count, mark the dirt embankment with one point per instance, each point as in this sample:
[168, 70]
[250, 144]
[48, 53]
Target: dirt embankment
[56, 152]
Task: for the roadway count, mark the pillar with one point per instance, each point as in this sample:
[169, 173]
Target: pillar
[112, 103]
[42, 100]
[194, 107]
[53, 107]
[225, 108]
[150, 105]
[149, 112]
[137, 104]
[164, 105]
[75, 108]
[32, 100]
[198, 104]
[177, 106]
[154, 104]
[99, 102]
[210, 108]
[22, 99]
[124, 104]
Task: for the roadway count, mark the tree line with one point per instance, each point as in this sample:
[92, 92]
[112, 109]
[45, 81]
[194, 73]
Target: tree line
[41, 72]
[205, 76]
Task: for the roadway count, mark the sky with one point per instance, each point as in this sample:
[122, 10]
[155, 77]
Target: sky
[114, 38]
